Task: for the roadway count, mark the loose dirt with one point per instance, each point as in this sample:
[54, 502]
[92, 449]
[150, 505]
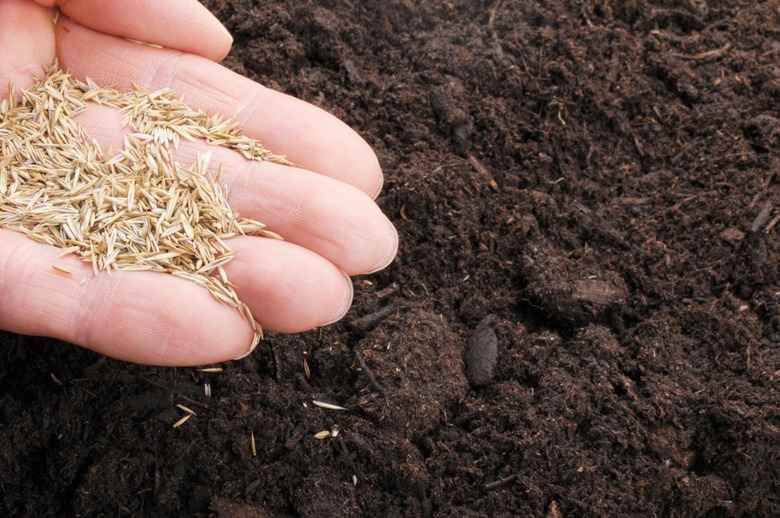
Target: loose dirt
[583, 319]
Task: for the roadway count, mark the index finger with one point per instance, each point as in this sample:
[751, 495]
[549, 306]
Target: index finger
[308, 136]
[184, 25]
[26, 43]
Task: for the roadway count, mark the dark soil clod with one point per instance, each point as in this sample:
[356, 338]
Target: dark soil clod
[482, 353]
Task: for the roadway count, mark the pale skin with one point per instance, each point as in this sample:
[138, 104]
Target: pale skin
[323, 207]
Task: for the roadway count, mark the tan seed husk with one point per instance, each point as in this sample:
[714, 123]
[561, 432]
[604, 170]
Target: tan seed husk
[137, 209]
[62, 269]
[188, 410]
[182, 420]
[327, 406]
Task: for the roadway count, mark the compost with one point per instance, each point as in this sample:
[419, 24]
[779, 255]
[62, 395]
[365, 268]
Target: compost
[583, 318]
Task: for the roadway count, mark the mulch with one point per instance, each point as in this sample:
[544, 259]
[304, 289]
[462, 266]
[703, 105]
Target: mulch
[583, 319]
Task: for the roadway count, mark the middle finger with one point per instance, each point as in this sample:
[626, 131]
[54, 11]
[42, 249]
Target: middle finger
[331, 218]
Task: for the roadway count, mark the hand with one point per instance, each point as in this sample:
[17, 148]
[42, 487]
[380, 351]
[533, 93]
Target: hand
[323, 207]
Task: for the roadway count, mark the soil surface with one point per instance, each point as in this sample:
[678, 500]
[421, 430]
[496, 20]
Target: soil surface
[583, 319]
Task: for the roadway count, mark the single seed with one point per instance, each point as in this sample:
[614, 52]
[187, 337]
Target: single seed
[254, 447]
[61, 269]
[181, 421]
[327, 406]
[322, 435]
[139, 42]
[306, 369]
[272, 235]
[211, 369]
[188, 410]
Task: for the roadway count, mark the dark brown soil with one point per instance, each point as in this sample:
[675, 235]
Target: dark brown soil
[583, 320]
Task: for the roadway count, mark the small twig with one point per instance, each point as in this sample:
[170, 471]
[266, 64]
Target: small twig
[277, 365]
[500, 482]
[370, 374]
[386, 292]
[481, 169]
[762, 217]
[367, 322]
[493, 12]
[715, 53]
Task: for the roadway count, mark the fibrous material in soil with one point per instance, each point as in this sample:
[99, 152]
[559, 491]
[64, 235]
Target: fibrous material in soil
[583, 319]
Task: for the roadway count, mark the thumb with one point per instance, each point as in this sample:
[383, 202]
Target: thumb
[26, 42]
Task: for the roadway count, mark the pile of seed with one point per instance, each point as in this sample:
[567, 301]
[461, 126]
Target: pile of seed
[135, 210]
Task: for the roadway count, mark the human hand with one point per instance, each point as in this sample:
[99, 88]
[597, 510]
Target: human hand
[323, 207]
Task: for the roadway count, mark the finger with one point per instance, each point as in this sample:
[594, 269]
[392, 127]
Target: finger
[328, 217]
[184, 25]
[288, 288]
[155, 318]
[26, 43]
[307, 135]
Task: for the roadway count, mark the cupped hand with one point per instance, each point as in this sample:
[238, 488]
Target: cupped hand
[323, 206]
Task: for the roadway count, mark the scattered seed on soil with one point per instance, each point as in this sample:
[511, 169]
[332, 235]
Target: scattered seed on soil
[182, 421]
[327, 406]
[213, 370]
[252, 442]
[322, 435]
[137, 209]
[188, 410]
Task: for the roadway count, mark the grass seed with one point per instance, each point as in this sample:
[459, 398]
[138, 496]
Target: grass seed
[327, 406]
[252, 442]
[182, 420]
[188, 410]
[137, 209]
[62, 269]
[324, 434]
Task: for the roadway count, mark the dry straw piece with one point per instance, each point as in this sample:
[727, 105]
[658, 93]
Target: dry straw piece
[137, 209]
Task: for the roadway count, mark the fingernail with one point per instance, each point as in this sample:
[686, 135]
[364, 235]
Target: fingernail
[392, 251]
[227, 32]
[347, 303]
[379, 188]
